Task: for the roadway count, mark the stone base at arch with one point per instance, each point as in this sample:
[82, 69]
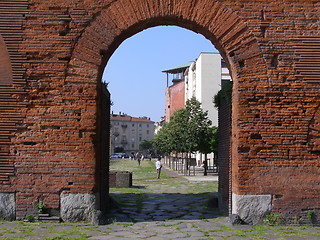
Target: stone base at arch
[251, 208]
[76, 207]
[7, 206]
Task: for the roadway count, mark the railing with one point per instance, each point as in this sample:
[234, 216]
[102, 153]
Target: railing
[181, 164]
[186, 166]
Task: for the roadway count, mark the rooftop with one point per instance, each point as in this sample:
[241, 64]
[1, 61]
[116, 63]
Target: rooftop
[124, 117]
[178, 69]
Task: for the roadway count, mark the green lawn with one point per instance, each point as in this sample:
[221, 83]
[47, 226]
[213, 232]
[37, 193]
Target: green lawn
[145, 181]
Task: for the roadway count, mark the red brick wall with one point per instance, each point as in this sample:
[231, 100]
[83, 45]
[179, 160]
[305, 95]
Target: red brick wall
[174, 99]
[224, 150]
[58, 49]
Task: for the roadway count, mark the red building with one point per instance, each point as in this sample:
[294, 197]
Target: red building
[175, 93]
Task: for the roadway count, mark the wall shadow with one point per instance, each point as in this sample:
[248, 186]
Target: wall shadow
[148, 207]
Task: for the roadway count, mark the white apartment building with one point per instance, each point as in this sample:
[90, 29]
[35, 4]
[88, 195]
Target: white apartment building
[203, 81]
[128, 132]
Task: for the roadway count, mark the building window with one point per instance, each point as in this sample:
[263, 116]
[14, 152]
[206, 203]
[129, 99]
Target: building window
[139, 124]
[147, 131]
[132, 124]
[140, 139]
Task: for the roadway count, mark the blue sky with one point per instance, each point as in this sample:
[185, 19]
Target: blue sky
[134, 72]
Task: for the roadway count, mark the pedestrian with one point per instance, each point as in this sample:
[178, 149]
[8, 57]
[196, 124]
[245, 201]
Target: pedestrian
[138, 158]
[205, 167]
[158, 166]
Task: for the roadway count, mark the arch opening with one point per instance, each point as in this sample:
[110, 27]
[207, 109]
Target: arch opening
[227, 191]
[235, 43]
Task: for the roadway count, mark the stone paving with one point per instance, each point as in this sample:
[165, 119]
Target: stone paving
[166, 213]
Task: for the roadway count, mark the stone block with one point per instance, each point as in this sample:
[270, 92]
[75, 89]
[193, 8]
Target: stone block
[120, 179]
[77, 207]
[7, 206]
[251, 208]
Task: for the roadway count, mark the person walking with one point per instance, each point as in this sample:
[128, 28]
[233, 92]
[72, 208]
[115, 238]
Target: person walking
[138, 157]
[158, 166]
[205, 167]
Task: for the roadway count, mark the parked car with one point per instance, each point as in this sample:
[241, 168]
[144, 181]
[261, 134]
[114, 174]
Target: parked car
[116, 155]
[125, 155]
[120, 155]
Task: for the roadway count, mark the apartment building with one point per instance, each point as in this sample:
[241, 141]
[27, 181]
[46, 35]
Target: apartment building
[201, 79]
[128, 132]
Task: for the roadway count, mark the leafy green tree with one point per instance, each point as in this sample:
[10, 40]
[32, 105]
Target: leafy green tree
[178, 131]
[162, 142]
[214, 140]
[189, 130]
[119, 150]
[145, 145]
[198, 127]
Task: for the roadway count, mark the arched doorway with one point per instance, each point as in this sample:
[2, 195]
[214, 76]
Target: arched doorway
[59, 50]
[222, 27]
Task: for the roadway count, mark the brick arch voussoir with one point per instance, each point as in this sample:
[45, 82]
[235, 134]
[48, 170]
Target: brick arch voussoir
[124, 18]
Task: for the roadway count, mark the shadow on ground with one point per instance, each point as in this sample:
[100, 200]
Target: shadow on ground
[142, 207]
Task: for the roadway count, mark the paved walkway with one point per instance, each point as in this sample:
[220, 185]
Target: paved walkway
[198, 177]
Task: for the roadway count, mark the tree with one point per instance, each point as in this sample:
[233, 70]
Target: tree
[162, 141]
[214, 140]
[178, 131]
[198, 127]
[118, 149]
[188, 131]
[145, 145]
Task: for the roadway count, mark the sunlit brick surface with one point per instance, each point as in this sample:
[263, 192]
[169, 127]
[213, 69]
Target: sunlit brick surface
[48, 133]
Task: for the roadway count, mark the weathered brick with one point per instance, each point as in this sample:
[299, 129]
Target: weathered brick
[50, 116]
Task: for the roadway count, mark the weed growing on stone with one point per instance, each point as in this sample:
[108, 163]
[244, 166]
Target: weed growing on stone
[272, 219]
[311, 216]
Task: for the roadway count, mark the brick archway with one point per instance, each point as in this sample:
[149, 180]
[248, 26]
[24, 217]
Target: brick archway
[221, 26]
[51, 139]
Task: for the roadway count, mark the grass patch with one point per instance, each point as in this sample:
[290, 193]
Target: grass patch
[124, 224]
[144, 180]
